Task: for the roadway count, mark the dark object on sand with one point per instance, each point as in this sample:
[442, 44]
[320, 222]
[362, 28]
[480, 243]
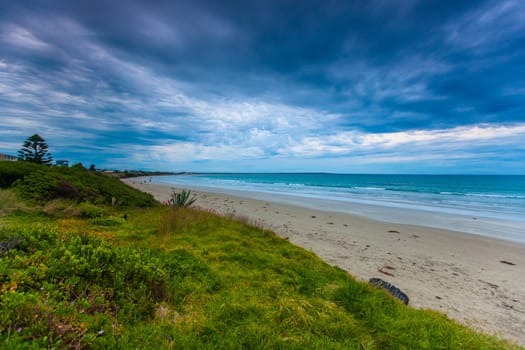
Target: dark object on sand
[507, 262]
[378, 282]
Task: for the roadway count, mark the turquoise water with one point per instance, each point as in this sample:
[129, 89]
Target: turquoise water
[492, 206]
[491, 196]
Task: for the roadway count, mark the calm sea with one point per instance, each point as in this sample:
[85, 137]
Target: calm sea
[475, 196]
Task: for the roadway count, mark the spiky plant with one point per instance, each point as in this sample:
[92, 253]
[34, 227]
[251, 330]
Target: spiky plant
[183, 199]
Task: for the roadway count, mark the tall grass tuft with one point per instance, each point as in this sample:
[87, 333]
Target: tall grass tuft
[9, 202]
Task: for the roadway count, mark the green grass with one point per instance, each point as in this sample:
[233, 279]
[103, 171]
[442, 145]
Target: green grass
[180, 278]
[183, 278]
[8, 201]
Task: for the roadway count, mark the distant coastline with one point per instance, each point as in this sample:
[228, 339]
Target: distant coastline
[142, 173]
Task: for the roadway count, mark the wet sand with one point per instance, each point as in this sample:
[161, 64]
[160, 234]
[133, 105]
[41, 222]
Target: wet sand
[476, 280]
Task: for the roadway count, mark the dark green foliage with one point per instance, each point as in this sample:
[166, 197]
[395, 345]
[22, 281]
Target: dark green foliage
[69, 288]
[12, 171]
[183, 199]
[35, 149]
[41, 183]
[78, 166]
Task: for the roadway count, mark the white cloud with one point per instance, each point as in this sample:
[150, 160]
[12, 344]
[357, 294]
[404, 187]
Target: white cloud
[403, 80]
[182, 151]
[9, 147]
[21, 37]
[344, 151]
[409, 141]
[487, 28]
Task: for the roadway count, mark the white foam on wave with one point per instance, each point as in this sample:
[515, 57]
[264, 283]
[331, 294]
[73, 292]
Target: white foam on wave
[491, 216]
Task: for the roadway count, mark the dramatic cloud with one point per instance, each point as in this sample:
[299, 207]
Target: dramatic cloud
[382, 86]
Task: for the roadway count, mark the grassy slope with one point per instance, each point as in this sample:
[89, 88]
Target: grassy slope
[189, 279]
[183, 278]
[40, 184]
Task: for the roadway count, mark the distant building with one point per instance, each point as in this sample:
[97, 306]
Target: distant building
[62, 163]
[7, 157]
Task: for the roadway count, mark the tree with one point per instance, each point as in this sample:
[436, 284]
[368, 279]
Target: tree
[35, 150]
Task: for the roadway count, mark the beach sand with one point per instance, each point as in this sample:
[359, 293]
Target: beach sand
[475, 280]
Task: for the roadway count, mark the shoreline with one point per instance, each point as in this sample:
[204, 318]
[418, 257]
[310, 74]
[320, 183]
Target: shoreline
[471, 223]
[474, 279]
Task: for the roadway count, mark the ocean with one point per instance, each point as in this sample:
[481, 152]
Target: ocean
[489, 199]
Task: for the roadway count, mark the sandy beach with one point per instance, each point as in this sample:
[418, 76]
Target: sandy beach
[476, 280]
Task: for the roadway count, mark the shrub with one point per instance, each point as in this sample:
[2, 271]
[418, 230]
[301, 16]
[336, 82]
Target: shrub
[40, 183]
[69, 288]
[90, 211]
[12, 171]
[183, 199]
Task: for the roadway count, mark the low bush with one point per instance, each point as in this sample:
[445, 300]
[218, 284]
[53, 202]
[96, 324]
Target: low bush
[41, 183]
[90, 211]
[12, 171]
[68, 290]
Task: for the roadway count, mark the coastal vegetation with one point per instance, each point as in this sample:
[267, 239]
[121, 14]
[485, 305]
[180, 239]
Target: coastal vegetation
[181, 199]
[40, 184]
[88, 262]
[36, 150]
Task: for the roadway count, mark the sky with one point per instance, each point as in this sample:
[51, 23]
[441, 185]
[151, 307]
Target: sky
[385, 86]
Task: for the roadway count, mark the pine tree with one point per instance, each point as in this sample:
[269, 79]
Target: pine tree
[35, 150]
